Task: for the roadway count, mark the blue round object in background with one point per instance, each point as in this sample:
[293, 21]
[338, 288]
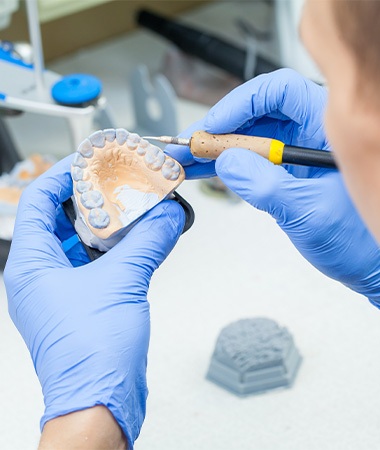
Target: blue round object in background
[76, 89]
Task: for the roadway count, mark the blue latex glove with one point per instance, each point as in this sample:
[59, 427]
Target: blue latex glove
[87, 328]
[311, 205]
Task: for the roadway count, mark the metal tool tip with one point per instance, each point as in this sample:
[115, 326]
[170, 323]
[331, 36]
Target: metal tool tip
[164, 139]
[169, 139]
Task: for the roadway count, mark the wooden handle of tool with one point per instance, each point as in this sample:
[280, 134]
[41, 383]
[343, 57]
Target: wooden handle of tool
[206, 145]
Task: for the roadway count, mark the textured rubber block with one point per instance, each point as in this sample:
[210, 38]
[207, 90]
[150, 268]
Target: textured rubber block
[252, 356]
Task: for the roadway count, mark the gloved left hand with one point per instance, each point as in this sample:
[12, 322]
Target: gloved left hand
[87, 328]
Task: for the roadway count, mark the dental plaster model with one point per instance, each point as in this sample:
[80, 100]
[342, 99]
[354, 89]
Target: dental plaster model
[117, 177]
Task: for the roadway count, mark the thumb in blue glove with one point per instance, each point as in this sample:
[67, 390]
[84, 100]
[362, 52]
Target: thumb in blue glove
[87, 328]
[316, 214]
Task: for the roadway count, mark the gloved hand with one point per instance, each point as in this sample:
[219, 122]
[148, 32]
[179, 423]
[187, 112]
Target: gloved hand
[311, 205]
[87, 328]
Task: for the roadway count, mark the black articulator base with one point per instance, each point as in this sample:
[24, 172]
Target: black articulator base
[94, 253]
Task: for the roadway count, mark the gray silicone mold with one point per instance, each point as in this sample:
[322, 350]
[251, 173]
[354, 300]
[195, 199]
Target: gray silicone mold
[253, 356]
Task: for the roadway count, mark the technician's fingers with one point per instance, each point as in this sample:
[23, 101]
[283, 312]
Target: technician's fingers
[63, 228]
[200, 170]
[181, 152]
[71, 245]
[283, 94]
[256, 180]
[195, 168]
[144, 248]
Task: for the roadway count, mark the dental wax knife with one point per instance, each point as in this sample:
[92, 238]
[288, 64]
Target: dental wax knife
[205, 145]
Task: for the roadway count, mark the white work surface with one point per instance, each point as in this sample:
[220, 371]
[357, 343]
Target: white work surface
[234, 263]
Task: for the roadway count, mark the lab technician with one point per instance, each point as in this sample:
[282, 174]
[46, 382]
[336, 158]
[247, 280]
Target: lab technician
[87, 328]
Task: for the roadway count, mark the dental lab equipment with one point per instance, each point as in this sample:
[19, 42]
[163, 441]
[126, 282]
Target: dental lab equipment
[26, 87]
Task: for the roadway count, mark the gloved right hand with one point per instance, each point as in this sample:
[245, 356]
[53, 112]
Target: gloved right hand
[311, 205]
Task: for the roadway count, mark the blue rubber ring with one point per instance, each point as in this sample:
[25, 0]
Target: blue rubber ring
[76, 89]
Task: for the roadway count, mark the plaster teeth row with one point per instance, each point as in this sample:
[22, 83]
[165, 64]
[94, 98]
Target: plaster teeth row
[118, 177]
[153, 157]
[93, 200]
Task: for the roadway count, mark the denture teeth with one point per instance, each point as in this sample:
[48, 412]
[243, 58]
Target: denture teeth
[98, 139]
[85, 149]
[92, 199]
[98, 218]
[77, 173]
[176, 168]
[171, 170]
[133, 141]
[134, 137]
[141, 150]
[109, 134]
[132, 145]
[169, 163]
[154, 158]
[83, 186]
[79, 161]
[121, 136]
[143, 143]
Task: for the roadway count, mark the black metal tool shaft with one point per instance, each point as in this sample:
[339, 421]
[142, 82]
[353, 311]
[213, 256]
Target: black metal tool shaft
[308, 157]
[204, 46]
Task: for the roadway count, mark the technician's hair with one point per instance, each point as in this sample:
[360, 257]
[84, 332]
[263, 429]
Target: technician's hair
[358, 24]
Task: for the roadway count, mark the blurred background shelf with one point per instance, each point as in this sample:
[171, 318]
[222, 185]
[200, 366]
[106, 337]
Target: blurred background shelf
[69, 25]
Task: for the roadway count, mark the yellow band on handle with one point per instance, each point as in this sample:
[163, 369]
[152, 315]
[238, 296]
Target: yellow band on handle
[276, 151]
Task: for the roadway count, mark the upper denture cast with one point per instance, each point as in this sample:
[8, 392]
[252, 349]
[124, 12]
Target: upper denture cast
[117, 177]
